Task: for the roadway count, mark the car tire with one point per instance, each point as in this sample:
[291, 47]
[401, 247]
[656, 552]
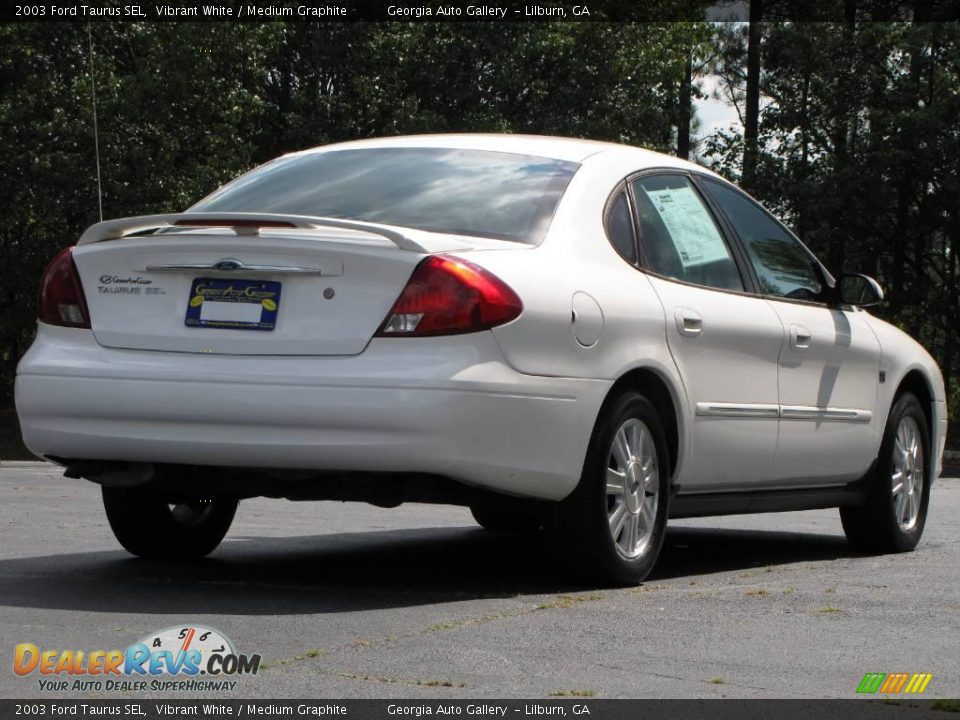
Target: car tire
[506, 516]
[616, 529]
[898, 493]
[152, 527]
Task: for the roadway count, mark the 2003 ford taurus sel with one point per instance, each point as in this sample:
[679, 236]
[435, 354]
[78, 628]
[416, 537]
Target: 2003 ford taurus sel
[561, 334]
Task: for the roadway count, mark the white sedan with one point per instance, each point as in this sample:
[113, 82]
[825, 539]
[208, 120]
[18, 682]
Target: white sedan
[564, 335]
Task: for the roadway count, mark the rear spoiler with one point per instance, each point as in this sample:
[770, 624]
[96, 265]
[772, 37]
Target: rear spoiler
[241, 223]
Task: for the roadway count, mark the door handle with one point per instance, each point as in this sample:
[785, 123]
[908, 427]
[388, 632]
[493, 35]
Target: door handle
[689, 322]
[800, 337]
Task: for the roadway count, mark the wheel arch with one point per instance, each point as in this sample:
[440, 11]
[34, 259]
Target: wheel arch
[662, 395]
[916, 382]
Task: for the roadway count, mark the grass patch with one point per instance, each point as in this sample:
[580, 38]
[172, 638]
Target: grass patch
[454, 624]
[311, 654]
[573, 693]
[386, 679]
[440, 627]
[561, 602]
[716, 680]
[759, 592]
[828, 610]
[438, 683]
[374, 678]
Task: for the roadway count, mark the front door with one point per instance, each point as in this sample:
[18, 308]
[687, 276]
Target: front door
[828, 387]
[829, 365]
[725, 342]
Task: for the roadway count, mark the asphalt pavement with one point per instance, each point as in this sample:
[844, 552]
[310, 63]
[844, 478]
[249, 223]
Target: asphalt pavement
[348, 600]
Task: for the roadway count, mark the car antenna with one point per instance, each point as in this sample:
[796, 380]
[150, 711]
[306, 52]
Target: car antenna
[96, 133]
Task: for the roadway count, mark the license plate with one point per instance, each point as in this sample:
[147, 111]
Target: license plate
[233, 304]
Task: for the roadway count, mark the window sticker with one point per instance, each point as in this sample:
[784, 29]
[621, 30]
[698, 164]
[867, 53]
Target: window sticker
[691, 228]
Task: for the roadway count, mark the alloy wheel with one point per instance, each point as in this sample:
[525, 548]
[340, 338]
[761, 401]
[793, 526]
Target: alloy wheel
[633, 483]
[908, 473]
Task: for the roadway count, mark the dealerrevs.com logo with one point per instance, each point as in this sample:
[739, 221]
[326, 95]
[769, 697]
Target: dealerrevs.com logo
[185, 658]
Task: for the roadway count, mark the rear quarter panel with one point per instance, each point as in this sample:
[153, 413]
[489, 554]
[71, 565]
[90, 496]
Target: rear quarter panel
[576, 258]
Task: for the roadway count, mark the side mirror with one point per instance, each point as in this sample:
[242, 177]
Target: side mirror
[858, 290]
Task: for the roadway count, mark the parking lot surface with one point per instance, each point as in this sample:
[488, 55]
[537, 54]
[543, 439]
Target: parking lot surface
[348, 600]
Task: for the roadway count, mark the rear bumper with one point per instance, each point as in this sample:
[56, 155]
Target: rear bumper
[446, 406]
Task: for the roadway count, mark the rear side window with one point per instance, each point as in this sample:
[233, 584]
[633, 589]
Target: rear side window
[784, 267]
[620, 228]
[679, 236]
[464, 192]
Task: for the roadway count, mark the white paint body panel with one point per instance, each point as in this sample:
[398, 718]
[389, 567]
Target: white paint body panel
[732, 360]
[899, 356]
[366, 276]
[434, 405]
[838, 367]
[510, 409]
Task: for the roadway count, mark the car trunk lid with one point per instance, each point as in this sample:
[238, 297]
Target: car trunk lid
[251, 289]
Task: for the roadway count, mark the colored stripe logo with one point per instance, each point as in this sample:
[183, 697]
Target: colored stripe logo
[893, 683]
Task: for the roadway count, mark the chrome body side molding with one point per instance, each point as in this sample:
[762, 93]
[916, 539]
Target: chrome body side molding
[786, 412]
[749, 410]
[807, 412]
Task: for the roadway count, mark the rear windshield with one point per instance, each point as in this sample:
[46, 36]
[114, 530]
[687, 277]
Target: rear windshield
[465, 192]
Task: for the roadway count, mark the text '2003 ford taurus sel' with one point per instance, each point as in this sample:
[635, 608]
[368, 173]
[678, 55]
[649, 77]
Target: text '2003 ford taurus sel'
[560, 334]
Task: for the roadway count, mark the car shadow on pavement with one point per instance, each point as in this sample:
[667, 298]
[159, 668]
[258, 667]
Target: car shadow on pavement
[703, 551]
[370, 570]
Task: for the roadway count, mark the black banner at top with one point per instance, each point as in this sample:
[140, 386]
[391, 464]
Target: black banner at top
[459, 10]
[356, 10]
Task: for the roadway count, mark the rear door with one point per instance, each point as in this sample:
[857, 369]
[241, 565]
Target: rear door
[724, 340]
[829, 366]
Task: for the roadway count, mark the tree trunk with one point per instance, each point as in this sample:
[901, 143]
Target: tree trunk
[842, 146]
[751, 121]
[683, 126]
[804, 154]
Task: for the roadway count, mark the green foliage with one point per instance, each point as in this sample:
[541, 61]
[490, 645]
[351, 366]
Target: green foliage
[860, 152]
[185, 106]
[860, 144]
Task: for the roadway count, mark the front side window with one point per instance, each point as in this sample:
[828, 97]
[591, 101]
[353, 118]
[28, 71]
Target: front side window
[679, 236]
[463, 192]
[783, 266]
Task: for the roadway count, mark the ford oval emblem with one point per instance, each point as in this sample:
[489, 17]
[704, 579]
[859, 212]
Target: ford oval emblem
[228, 265]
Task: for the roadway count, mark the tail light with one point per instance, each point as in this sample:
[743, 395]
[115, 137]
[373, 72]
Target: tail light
[448, 296]
[61, 295]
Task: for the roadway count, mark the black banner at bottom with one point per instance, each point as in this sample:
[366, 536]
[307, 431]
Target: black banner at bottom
[592, 708]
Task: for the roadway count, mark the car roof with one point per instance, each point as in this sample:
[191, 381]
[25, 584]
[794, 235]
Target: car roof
[557, 148]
